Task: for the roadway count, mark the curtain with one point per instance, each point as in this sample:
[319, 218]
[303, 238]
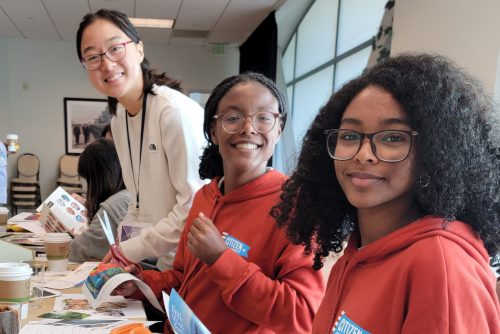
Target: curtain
[258, 53]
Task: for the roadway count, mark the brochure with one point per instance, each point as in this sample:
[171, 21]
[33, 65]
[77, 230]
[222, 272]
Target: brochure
[62, 213]
[181, 317]
[105, 278]
[116, 306]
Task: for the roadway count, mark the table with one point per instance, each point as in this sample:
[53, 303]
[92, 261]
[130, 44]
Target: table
[47, 305]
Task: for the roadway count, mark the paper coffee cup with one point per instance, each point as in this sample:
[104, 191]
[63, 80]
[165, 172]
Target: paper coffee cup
[15, 279]
[10, 320]
[57, 250]
[12, 143]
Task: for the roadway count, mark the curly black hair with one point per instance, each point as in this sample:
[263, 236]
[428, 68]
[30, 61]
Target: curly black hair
[449, 109]
[122, 22]
[211, 161]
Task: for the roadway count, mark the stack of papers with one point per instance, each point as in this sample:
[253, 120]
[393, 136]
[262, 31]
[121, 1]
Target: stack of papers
[28, 221]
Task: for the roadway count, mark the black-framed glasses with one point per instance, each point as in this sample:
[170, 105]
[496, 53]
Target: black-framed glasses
[387, 145]
[114, 53]
[262, 122]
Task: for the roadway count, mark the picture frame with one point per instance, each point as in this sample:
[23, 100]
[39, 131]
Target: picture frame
[84, 121]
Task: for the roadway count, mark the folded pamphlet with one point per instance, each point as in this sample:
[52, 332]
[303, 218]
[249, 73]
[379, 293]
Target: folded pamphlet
[60, 212]
[105, 278]
[181, 317]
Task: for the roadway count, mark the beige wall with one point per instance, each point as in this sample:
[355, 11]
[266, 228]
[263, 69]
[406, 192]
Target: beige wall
[464, 30]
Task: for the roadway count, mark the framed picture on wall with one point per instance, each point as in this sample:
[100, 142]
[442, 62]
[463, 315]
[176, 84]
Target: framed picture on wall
[84, 121]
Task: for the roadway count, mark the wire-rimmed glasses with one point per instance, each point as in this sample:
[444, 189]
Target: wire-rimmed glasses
[262, 121]
[114, 53]
[387, 145]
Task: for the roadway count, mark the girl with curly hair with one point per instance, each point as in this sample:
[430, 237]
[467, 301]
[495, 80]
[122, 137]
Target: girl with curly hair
[398, 163]
[235, 267]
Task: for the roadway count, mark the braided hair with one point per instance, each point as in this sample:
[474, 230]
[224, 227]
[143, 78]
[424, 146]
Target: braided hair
[211, 161]
[120, 20]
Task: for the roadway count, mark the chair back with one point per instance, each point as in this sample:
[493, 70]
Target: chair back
[28, 167]
[68, 167]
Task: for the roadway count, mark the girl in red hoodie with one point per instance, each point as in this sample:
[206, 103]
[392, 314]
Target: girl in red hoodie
[398, 163]
[234, 267]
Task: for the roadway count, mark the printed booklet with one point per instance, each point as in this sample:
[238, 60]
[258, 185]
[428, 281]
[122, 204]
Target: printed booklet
[62, 213]
[181, 317]
[104, 278]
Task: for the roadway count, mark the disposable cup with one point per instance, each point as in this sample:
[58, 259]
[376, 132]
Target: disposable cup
[10, 319]
[57, 250]
[12, 144]
[15, 280]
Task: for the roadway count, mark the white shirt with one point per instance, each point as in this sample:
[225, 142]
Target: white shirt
[168, 177]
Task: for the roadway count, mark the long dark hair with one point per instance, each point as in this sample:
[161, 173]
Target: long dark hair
[100, 167]
[211, 161]
[120, 20]
[449, 110]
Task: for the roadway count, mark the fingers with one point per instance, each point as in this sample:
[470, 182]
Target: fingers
[107, 258]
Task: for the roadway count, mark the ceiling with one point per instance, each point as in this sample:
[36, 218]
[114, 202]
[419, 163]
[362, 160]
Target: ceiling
[198, 22]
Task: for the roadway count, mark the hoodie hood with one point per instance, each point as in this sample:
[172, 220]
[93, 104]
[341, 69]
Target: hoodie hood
[423, 228]
[266, 184]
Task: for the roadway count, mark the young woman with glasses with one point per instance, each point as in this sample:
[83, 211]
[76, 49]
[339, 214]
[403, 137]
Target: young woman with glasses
[398, 163]
[157, 132]
[235, 267]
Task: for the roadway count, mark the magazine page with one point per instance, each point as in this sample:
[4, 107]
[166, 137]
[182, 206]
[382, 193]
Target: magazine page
[181, 317]
[62, 213]
[105, 278]
[76, 306]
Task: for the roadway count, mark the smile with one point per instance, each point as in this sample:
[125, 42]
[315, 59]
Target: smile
[246, 146]
[363, 180]
[114, 77]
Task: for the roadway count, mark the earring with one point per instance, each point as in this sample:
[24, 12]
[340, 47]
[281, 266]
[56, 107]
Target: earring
[424, 180]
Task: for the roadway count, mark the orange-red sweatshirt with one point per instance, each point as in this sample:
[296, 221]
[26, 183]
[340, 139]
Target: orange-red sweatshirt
[422, 278]
[268, 287]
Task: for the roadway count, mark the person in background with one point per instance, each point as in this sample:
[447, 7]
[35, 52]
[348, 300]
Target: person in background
[398, 162]
[76, 133]
[157, 132]
[3, 174]
[100, 167]
[235, 267]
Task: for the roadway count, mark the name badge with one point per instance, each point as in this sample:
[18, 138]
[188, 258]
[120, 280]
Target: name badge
[235, 245]
[344, 325]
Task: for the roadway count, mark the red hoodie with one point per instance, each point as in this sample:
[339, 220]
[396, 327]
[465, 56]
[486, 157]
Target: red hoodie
[422, 278]
[270, 287]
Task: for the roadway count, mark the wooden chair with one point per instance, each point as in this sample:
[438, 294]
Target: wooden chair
[69, 179]
[25, 187]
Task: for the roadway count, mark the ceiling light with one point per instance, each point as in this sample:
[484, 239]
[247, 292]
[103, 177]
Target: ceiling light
[152, 23]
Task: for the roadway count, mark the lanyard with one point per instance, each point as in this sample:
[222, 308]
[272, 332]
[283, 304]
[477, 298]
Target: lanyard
[144, 100]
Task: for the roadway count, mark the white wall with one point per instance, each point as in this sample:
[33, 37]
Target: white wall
[51, 71]
[466, 31]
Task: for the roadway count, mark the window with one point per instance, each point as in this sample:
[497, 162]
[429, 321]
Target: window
[330, 46]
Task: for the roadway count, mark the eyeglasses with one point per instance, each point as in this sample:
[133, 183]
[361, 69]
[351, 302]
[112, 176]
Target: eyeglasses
[262, 122]
[113, 53]
[387, 145]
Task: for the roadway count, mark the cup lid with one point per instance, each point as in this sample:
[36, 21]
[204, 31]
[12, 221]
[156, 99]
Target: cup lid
[15, 268]
[12, 136]
[57, 237]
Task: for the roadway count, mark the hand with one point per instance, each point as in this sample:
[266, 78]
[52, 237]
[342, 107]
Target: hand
[125, 289]
[107, 258]
[204, 240]
[128, 288]
[78, 198]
